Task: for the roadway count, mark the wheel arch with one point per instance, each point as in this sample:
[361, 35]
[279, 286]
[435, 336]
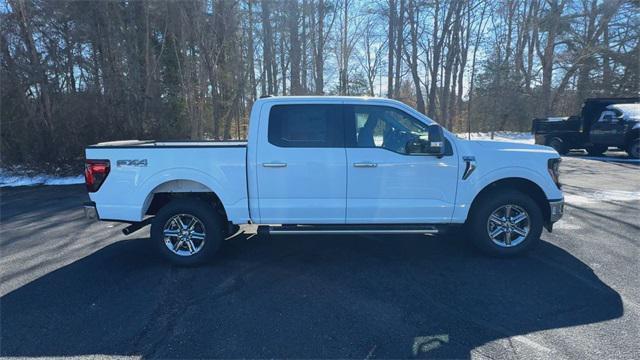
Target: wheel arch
[170, 190]
[565, 145]
[633, 134]
[522, 185]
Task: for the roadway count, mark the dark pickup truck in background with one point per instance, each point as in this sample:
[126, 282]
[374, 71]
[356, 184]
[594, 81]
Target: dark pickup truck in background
[603, 122]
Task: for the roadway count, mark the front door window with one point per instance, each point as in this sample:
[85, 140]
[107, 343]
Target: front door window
[385, 127]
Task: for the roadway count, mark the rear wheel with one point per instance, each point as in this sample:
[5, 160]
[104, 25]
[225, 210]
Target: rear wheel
[596, 150]
[506, 223]
[187, 232]
[633, 149]
[558, 145]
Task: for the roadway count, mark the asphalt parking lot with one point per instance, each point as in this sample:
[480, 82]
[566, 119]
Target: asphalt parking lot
[72, 287]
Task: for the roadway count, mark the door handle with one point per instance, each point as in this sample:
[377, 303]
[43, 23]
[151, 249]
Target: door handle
[365, 164]
[274, 165]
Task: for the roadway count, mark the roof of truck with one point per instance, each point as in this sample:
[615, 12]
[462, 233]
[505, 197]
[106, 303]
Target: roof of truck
[325, 98]
[318, 97]
[619, 100]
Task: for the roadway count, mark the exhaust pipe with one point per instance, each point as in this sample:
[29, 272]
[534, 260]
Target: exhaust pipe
[136, 226]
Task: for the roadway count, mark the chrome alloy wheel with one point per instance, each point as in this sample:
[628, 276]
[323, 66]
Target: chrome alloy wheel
[184, 234]
[508, 225]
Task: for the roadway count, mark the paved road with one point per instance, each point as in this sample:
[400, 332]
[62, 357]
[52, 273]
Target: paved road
[71, 287]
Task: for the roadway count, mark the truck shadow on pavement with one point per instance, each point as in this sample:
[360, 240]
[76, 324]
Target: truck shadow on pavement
[303, 297]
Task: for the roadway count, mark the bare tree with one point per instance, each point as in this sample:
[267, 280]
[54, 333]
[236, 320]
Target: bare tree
[372, 49]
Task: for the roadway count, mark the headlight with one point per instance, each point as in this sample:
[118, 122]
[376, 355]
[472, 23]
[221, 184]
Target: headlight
[553, 165]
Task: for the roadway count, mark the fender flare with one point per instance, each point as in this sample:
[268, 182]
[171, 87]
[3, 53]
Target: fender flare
[508, 172]
[478, 185]
[195, 181]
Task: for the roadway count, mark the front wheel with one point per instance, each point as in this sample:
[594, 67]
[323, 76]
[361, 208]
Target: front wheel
[187, 232]
[506, 223]
[633, 149]
[596, 150]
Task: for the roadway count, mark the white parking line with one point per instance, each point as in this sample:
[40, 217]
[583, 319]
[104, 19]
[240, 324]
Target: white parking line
[524, 340]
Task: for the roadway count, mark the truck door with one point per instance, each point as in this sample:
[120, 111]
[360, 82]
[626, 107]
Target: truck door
[301, 164]
[384, 183]
[608, 129]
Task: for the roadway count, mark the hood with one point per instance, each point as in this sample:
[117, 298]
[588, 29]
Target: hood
[505, 146]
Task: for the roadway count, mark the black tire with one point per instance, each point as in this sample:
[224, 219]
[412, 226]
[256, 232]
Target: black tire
[597, 150]
[558, 145]
[633, 149]
[212, 228]
[478, 224]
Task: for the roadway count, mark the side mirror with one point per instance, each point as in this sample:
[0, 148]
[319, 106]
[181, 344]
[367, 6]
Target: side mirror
[436, 140]
[431, 144]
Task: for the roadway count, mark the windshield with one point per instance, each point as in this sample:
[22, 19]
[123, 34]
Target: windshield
[631, 111]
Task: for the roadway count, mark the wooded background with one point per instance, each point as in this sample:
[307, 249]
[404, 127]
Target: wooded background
[79, 72]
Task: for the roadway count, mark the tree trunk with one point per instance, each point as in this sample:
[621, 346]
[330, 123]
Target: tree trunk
[267, 46]
[294, 52]
[412, 15]
[606, 66]
[391, 47]
[319, 53]
[250, 55]
[283, 64]
[399, 43]
[344, 51]
[304, 41]
[547, 58]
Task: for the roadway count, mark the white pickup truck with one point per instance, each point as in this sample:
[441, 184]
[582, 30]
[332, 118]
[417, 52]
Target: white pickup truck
[327, 165]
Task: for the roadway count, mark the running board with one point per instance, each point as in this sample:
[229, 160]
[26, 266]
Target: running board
[347, 229]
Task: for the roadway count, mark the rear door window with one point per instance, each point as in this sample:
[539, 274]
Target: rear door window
[317, 125]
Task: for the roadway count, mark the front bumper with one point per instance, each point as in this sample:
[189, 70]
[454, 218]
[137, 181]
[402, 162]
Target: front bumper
[90, 211]
[556, 208]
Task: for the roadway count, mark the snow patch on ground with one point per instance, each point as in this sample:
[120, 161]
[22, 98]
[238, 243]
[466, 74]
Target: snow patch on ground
[11, 179]
[599, 196]
[511, 136]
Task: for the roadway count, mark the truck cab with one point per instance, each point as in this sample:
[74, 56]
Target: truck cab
[618, 125]
[336, 162]
[328, 165]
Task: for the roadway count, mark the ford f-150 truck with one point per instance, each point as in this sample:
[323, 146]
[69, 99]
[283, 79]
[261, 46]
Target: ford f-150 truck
[327, 165]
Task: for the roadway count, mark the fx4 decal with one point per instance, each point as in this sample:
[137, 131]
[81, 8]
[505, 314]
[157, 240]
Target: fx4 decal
[139, 163]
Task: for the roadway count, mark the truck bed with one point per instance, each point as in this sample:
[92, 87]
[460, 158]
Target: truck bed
[555, 125]
[138, 169]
